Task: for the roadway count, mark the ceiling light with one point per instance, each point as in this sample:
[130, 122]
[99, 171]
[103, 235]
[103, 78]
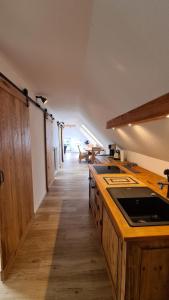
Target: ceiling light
[167, 116]
[43, 99]
[129, 124]
[113, 128]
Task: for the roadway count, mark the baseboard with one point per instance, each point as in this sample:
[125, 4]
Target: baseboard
[39, 204]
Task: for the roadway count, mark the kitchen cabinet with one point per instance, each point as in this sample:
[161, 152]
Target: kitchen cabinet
[147, 270]
[110, 243]
[137, 257]
[92, 187]
[139, 269]
[96, 205]
[99, 212]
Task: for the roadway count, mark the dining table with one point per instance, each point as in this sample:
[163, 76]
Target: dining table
[92, 152]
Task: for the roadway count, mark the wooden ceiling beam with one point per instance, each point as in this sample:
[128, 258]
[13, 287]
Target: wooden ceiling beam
[151, 110]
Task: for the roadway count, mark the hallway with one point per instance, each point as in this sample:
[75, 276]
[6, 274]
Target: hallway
[61, 257]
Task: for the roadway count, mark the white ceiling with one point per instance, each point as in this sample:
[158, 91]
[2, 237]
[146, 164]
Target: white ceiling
[47, 39]
[94, 59]
[128, 55]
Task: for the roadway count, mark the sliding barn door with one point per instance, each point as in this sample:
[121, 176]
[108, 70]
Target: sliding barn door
[50, 165]
[16, 198]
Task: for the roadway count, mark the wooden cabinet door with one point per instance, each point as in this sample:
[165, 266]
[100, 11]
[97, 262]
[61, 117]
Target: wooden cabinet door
[154, 276]
[16, 197]
[147, 269]
[8, 207]
[111, 247]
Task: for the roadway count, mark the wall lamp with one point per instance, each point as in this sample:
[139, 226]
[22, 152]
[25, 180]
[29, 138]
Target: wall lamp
[43, 99]
[60, 124]
[52, 117]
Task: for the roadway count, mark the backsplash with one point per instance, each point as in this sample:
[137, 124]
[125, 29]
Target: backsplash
[153, 164]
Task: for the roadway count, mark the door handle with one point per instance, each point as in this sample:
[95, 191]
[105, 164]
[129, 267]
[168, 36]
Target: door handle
[2, 179]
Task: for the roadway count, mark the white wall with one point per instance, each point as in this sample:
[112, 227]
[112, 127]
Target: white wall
[76, 136]
[147, 144]
[150, 138]
[73, 132]
[55, 135]
[38, 154]
[56, 144]
[36, 128]
[155, 165]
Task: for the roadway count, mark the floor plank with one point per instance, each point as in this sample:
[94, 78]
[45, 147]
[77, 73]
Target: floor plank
[61, 257]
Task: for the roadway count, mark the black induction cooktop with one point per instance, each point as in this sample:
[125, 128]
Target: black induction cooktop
[108, 170]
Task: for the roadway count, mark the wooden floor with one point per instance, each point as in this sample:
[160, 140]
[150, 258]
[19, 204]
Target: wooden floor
[61, 257]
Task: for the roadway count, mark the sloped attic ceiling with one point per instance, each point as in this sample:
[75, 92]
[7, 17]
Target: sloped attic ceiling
[127, 65]
[47, 40]
[94, 59]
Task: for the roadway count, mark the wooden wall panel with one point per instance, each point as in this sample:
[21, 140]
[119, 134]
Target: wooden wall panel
[16, 196]
[50, 165]
[152, 110]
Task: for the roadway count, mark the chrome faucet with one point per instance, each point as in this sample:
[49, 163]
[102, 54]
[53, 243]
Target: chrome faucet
[163, 183]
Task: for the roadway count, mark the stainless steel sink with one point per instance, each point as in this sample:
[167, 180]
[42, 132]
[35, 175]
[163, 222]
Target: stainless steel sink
[141, 206]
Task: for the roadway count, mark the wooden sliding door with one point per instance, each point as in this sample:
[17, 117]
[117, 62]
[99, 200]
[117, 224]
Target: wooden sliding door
[16, 197]
[50, 165]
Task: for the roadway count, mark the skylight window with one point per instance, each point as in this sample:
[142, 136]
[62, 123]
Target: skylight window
[90, 135]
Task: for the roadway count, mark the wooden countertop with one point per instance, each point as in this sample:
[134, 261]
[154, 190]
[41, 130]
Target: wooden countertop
[145, 178]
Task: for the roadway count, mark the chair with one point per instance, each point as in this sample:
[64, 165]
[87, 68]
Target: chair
[95, 151]
[83, 155]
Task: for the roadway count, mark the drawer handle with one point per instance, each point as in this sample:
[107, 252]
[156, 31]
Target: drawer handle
[2, 178]
[101, 222]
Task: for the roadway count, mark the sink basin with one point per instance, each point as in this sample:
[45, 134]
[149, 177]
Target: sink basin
[141, 206]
